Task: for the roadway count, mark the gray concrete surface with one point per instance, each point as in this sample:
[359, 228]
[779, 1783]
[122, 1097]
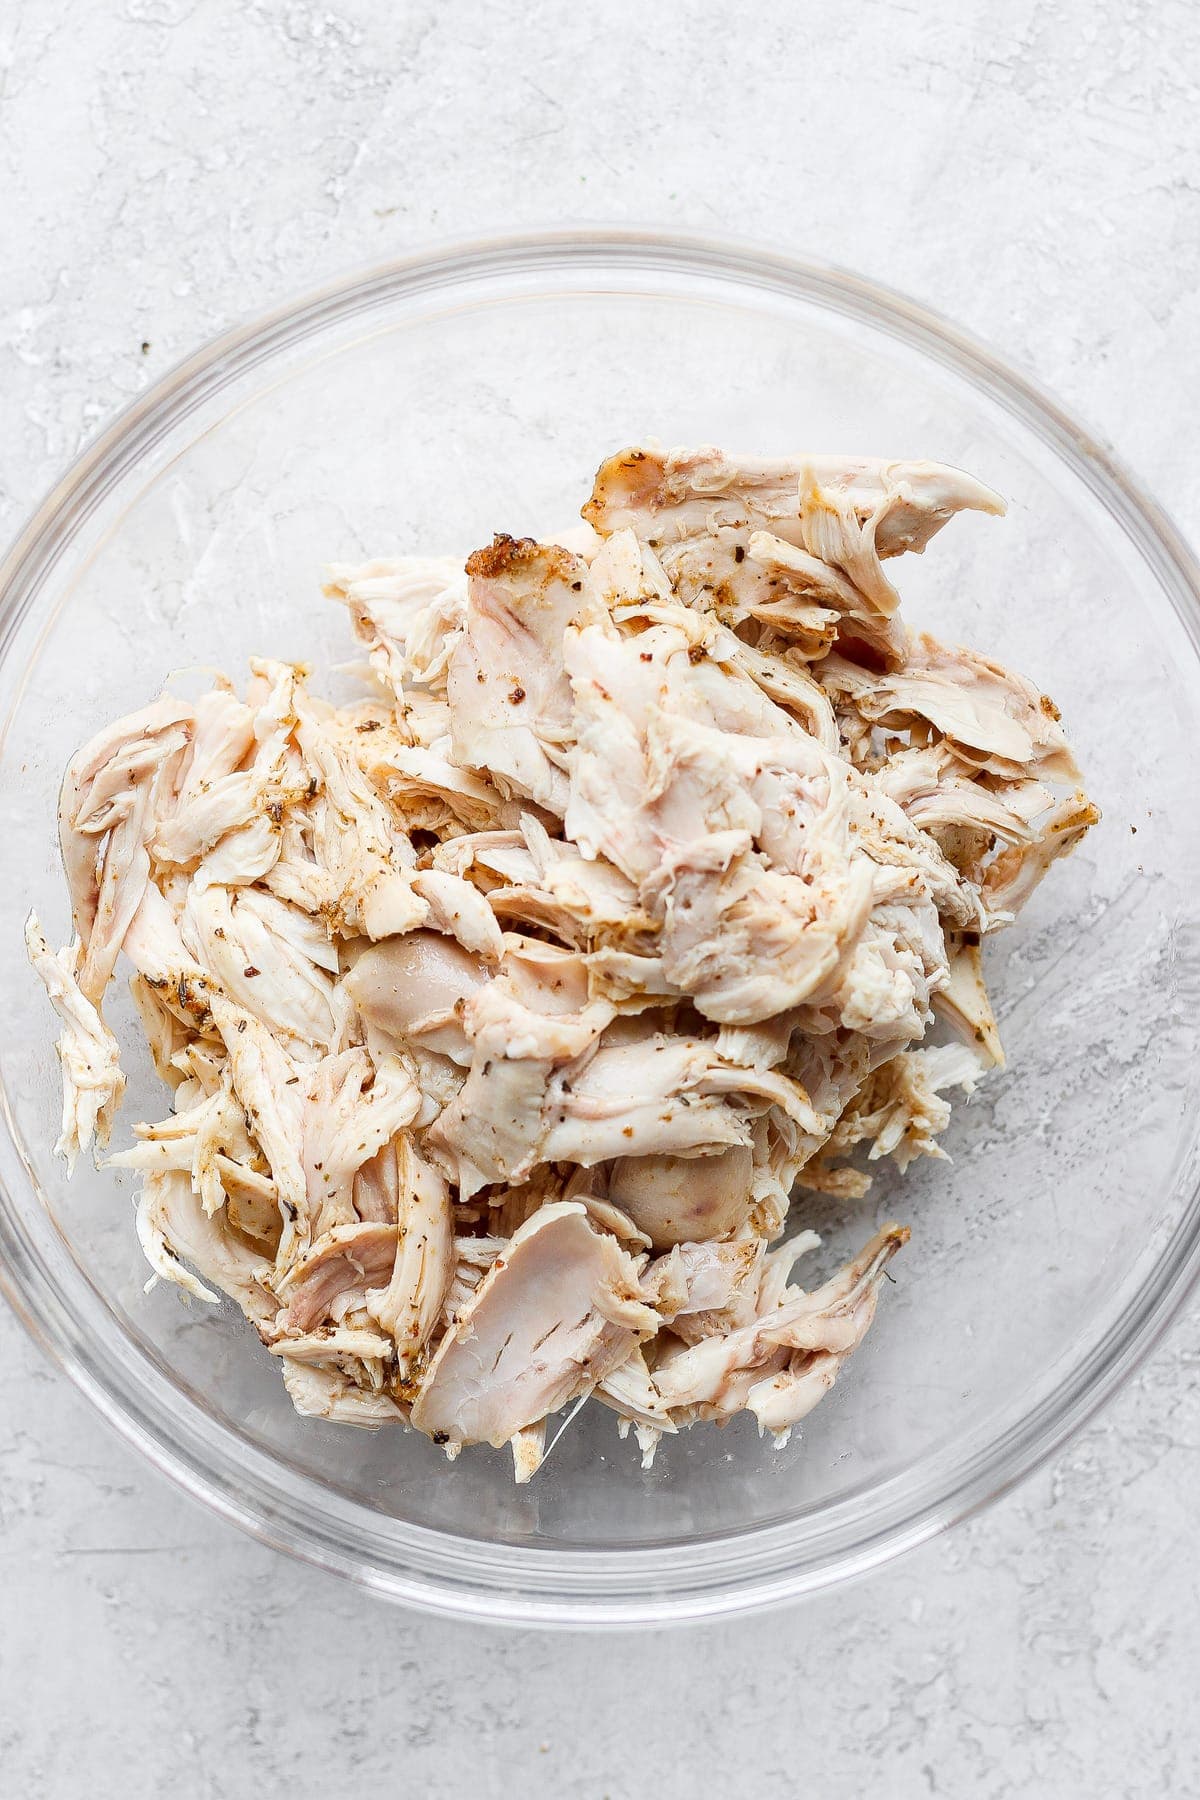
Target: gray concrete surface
[170, 166]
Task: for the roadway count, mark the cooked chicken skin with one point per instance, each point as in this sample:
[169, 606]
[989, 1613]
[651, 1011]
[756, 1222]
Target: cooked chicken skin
[505, 1010]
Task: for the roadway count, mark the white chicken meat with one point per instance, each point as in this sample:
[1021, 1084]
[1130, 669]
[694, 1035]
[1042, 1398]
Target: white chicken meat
[505, 1009]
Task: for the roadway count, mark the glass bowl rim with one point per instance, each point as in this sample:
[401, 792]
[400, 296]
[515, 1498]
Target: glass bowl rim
[522, 1585]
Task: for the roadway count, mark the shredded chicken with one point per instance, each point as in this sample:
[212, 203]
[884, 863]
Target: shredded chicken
[505, 1010]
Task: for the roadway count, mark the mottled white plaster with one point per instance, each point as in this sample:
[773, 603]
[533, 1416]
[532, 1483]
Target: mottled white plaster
[170, 166]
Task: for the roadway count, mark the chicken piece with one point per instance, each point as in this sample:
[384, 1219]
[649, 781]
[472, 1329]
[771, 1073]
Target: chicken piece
[207, 1138]
[669, 800]
[776, 1271]
[994, 720]
[439, 1079]
[556, 1314]
[630, 1389]
[845, 512]
[631, 1393]
[780, 1399]
[545, 883]
[427, 791]
[339, 1267]
[652, 1095]
[945, 797]
[286, 844]
[604, 1214]
[202, 1062]
[351, 1110]
[410, 1306]
[360, 876]
[589, 888]
[666, 496]
[625, 576]
[251, 1204]
[485, 852]
[415, 988]
[325, 1393]
[704, 1289]
[752, 853]
[964, 1002]
[971, 816]
[830, 1066]
[494, 1128]
[741, 575]
[617, 682]
[243, 856]
[156, 949]
[473, 1257]
[549, 980]
[165, 1036]
[510, 702]
[675, 1199]
[770, 1364]
[758, 1046]
[214, 795]
[238, 822]
[174, 1230]
[835, 1316]
[224, 1160]
[521, 1029]
[528, 1448]
[1017, 871]
[408, 611]
[508, 1207]
[376, 1189]
[270, 958]
[790, 686]
[461, 911]
[110, 794]
[899, 1110]
[335, 1346]
[822, 1331]
[916, 871]
[123, 872]
[88, 1055]
[267, 1082]
[825, 585]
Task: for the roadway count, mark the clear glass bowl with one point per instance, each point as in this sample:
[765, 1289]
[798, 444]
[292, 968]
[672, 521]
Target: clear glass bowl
[424, 405]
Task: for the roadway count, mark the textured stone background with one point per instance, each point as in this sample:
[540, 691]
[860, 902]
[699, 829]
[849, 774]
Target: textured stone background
[170, 166]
